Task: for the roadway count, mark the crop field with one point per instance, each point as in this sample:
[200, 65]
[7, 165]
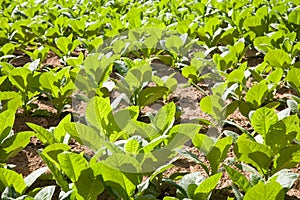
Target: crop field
[146, 100]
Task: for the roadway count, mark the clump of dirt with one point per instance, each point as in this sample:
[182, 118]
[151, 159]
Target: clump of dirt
[27, 161]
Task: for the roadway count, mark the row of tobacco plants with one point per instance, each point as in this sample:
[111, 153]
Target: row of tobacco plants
[108, 47]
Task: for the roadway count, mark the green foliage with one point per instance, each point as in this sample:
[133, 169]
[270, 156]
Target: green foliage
[242, 55]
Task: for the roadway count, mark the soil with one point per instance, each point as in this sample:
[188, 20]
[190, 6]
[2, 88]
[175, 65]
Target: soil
[188, 98]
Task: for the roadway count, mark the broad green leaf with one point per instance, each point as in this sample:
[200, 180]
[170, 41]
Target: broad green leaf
[278, 58]
[174, 43]
[218, 153]
[189, 183]
[19, 77]
[45, 193]
[154, 143]
[253, 153]
[236, 75]
[230, 108]
[47, 81]
[44, 135]
[59, 131]
[124, 117]
[205, 188]
[285, 158]
[180, 134]
[256, 94]
[51, 152]
[293, 78]
[7, 119]
[8, 49]
[98, 110]
[132, 145]
[165, 117]
[294, 16]
[64, 44]
[262, 119]
[203, 142]
[60, 180]
[88, 185]
[11, 178]
[151, 94]
[12, 145]
[275, 76]
[85, 135]
[121, 173]
[282, 133]
[213, 106]
[238, 178]
[134, 17]
[72, 164]
[268, 191]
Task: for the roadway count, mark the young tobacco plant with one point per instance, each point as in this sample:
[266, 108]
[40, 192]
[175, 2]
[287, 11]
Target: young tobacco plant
[134, 86]
[58, 87]
[267, 153]
[11, 143]
[27, 84]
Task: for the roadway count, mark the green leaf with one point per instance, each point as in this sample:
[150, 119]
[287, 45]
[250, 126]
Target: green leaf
[72, 164]
[7, 119]
[10, 178]
[282, 133]
[203, 142]
[294, 16]
[285, 158]
[256, 95]
[213, 106]
[47, 81]
[180, 134]
[238, 178]
[262, 119]
[8, 49]
[254, 153]
[19, 77]
[59, 131]
[236, 75]
[170, 198]
[132, 145]
[88, 185]
[45, 193]
[278, 58]
[98, 111]
[85, 135]
[51, 152]
[64, 44]
[12, 145]
[205, 188]
[60, 180]
[151, 94]
[293, 78]
[134, 17]
[268, 191]
[218, 153]
[44, 135]
[165, 117]
[121, 173]
[174, 43]
[275, 76]
[189, 183]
